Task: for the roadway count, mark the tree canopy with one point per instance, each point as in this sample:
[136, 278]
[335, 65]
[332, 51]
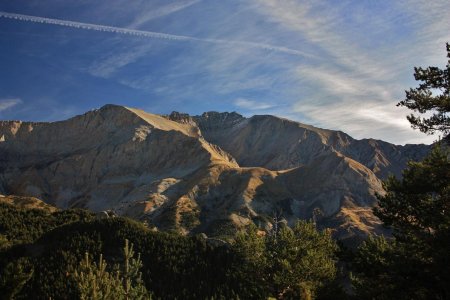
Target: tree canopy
[416, 263]
[289, 263]
[431, 97]
[48, 260]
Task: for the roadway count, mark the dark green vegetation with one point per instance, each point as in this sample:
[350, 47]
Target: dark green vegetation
[124, 281]
[431, 96]
[297, 263]
[45, 262]
[18, 226]
[415, 264]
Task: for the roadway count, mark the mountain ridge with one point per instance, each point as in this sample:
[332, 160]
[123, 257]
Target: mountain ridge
[212, 173]
[336, 140]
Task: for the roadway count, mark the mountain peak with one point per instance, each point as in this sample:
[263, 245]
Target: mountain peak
[192, 171]
[182, 118]
[111, 106]
[216, 114]
[214, 119]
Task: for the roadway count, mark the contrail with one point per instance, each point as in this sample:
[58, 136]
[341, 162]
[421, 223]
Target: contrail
[149, 34]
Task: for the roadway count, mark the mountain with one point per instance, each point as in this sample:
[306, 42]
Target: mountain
[276, 143]
[212, 173]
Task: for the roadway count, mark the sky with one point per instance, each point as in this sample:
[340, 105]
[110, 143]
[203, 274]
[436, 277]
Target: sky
[341, 65]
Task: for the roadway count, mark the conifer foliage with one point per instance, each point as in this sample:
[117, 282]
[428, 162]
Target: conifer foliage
[431, 96]
[55, 265]
[290, 263]
[95, 282]
[415, 264]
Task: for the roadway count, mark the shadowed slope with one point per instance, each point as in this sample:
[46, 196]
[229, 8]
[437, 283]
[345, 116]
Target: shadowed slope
[179, 172]
[277, 144]
[102, 159]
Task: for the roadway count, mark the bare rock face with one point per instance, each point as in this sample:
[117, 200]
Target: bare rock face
[276, 143]
[101, 159]
[211, 173]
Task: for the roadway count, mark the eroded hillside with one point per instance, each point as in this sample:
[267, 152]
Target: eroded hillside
[212, 173]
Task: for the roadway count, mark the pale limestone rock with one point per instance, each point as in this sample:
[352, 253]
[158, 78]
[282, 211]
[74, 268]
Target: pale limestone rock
[182, 172]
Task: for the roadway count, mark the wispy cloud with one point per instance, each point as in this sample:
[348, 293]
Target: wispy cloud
[362, 121]
[151, 14]
[9, 103]
[429, 20]
[358, 81]
[344, 85]
[322, 25]
[248, 104]
[109, 64]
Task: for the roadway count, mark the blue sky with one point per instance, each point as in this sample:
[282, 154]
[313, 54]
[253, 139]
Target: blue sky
[340, 65]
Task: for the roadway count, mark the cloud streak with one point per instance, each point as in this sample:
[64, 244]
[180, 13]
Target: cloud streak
[356, 119]
[362, 74]
[161, 12]
[251, 104]
[150, 34]
[8, 103]
[106, 67]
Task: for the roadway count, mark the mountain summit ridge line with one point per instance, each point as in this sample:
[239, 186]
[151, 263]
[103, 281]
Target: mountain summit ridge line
[207, 173]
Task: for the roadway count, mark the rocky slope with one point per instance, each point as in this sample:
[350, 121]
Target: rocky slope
[27, 202]
[276, 143]
[212, 173]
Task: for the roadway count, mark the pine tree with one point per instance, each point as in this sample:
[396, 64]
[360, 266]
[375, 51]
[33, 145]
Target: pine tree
[290, 262]
[95, 282]
[432, 96]
[300, 260]
[416, 264]
[13, 277]
[132, 277]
